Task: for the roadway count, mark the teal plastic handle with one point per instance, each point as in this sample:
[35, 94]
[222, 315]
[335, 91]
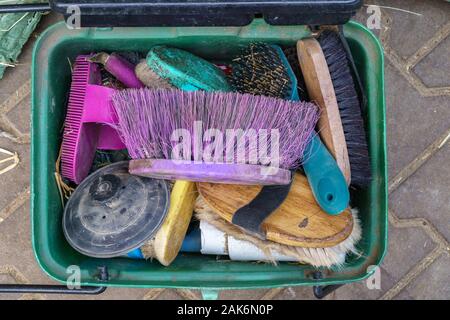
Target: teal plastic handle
[325, 178]
[327, 182]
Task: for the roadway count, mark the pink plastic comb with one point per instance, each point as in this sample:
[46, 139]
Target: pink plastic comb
[88, 121]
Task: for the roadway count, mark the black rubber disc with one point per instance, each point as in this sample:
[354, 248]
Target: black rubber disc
[113, 212]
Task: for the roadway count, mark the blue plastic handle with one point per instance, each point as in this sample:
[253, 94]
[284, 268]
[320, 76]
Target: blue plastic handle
[325, 178]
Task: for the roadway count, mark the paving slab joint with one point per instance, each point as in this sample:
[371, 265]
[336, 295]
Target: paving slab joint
[405, 66]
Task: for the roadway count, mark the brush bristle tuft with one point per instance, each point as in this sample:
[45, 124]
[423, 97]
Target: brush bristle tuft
[292, 58]
[349, 107]
[259, 70]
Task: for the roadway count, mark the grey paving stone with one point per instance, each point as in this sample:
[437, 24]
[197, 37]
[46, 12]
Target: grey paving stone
[15, 181]
[169, 294]
[431, 284]
[361, 291]
[427, 193]
[7, 278]
[408, 32]
[242, 294]
[413, 122]
[109, 294]
[16, 250]
[364, 14]
[20, 115]
[434, 69]
[189, 294]
[296, 293]
[407, 247]
[17, 76]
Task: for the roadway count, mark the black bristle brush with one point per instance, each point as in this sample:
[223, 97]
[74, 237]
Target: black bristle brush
[347, 85]
[292, 57]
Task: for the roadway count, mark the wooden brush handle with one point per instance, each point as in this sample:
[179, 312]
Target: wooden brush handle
[320, 89]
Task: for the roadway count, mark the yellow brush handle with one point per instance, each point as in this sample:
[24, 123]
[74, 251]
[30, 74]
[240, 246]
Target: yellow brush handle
[170, 236]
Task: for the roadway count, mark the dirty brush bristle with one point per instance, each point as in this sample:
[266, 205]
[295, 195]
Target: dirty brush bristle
[349, 106]
[259, 70]
[292, 58]
[148, 118]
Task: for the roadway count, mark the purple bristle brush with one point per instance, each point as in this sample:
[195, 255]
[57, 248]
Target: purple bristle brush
[248, 139]
[88, 121]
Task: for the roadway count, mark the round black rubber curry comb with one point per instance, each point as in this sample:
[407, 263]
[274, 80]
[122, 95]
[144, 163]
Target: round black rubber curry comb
[113, 212]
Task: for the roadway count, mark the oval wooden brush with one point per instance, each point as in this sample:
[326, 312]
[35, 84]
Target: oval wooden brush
[298, 221]
[320, 90]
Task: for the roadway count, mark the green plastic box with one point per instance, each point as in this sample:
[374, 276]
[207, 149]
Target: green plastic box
[50, 83]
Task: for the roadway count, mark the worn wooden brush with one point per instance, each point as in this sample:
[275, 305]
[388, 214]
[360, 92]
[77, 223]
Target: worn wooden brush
[298, 221]
[346, 86]
[320, 90]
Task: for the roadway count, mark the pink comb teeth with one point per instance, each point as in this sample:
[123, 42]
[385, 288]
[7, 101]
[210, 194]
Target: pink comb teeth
[87, 121]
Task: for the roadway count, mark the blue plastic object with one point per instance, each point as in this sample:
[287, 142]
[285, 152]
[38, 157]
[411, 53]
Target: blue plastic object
[326, 180]
[135, 254]
[191, 243]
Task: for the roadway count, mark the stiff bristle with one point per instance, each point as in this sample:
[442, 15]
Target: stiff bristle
[149, 118]
[259, 70]
[80, 78]
[349, 107]
[292, 58]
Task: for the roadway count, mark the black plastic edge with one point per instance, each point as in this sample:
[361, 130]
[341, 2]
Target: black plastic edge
[209, 13]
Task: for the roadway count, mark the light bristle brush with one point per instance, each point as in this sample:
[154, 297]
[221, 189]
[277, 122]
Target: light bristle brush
[147, 133]
[346, 84]
[327, 257]
[88, 119]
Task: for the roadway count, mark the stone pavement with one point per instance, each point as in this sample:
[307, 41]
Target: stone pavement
[416, 38]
